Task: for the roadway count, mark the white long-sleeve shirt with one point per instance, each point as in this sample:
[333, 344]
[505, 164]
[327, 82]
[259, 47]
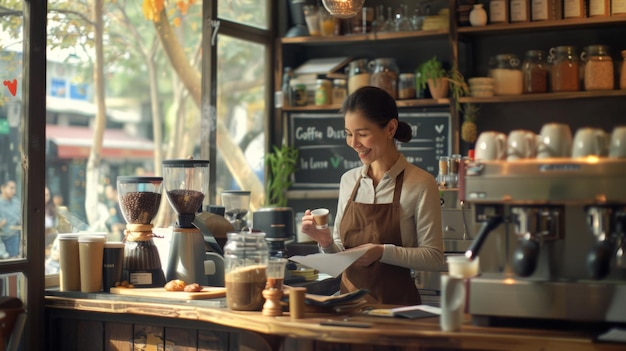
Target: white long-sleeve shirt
[420, 220]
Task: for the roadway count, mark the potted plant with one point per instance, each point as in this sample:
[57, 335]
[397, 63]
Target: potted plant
[282, 164]
[432, 74]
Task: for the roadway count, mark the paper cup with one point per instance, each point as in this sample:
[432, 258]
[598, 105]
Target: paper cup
[320, 216]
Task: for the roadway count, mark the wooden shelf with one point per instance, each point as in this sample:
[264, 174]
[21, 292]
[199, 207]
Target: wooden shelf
[539, 26]
[400, 103]
[355, 38]
[544, 97]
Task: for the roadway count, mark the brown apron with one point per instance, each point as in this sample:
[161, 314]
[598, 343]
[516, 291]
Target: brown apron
[377, 224]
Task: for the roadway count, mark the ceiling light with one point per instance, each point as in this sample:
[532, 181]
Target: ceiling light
[343, 8]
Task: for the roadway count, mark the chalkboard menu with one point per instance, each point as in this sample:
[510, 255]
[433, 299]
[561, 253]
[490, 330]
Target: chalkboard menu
[324, 155]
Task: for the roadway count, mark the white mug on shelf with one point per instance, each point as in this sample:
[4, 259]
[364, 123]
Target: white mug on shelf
[490, 145]
[590, 142]
[521, 143]
[554, 140]
[617, 149]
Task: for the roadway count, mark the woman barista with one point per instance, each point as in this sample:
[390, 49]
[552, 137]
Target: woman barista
[387, 205]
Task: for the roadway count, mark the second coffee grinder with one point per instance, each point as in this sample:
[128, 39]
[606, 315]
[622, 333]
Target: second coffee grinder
[186, 183]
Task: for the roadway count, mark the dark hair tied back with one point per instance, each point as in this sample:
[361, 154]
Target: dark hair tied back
[378, 106]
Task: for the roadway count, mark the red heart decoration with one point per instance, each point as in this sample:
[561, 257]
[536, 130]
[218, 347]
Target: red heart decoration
[12, 85]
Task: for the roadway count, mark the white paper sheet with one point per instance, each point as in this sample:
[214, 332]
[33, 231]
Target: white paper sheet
[332, 264]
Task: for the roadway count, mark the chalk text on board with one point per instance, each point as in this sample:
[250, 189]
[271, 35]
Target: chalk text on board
[310, 133]
[313, 164]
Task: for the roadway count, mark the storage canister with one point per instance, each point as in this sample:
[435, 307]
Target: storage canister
[618, 7]
[599, 8]
[498, 11]
[507, 74]
[406, 86]
[385, 75]
[245, 264]
[340, 91]
[520, 10]
[535, 70]
[574, 9]
[358, 75]
[598, 68]
[564, 73]
[323, 92]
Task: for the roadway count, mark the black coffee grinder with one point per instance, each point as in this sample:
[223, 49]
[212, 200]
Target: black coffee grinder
[139, 199]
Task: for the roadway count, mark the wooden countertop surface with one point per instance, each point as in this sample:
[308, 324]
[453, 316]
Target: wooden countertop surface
[383, 330]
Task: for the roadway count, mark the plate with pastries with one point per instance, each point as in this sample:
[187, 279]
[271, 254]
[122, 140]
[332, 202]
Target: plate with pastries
[174, 289]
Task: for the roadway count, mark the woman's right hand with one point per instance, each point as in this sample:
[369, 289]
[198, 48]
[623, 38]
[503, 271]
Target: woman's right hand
[322, 236]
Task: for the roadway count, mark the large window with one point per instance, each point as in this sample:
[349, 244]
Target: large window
[149, 80]
[123, 91]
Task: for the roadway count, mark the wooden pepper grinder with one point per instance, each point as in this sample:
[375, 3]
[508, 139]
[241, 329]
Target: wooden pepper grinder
[274, 287]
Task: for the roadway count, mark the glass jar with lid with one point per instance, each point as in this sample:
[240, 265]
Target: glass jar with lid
[339, 91]
[535, 69]
[385, 75]
[245, 262]
[507, 74]
[358, 75]
[323, 92]
[406, 86]
[598, 71]
[564, 72]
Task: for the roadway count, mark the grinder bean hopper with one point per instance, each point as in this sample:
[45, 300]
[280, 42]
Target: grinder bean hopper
[186, 183]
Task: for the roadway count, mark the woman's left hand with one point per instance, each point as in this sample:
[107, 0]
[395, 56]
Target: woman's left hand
[374, 253]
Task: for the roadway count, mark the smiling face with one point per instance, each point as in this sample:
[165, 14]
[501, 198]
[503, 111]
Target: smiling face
[372, 142]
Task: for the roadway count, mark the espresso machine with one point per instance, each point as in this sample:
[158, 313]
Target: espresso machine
[186, 181]
[554, 231]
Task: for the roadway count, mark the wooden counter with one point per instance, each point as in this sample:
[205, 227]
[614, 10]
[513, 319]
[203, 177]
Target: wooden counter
[119, 322]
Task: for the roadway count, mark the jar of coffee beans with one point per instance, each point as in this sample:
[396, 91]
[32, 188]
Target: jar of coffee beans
[385, 75]
[535, 68]
[598, 68]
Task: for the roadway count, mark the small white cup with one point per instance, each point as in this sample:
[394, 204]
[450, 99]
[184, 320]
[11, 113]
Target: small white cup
[461, 266]
[617, 149]
[490, 145]
[554, 140]
[590, 141]
[520, 144]
[320, 216]
[452, 303]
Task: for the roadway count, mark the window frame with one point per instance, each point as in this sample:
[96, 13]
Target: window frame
[239, 31]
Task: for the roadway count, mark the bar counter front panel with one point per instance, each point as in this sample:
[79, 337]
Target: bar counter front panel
[86, 321]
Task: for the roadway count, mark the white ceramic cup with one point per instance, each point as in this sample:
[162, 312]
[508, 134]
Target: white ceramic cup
[617, 149]
[554, 140]
[490, 145]
[520, 143]
[590, 141]
[452, 302]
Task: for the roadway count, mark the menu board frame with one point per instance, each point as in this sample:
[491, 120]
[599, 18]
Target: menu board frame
[324, 155]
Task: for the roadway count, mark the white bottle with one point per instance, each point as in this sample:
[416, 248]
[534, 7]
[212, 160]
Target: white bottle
[478, 16]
